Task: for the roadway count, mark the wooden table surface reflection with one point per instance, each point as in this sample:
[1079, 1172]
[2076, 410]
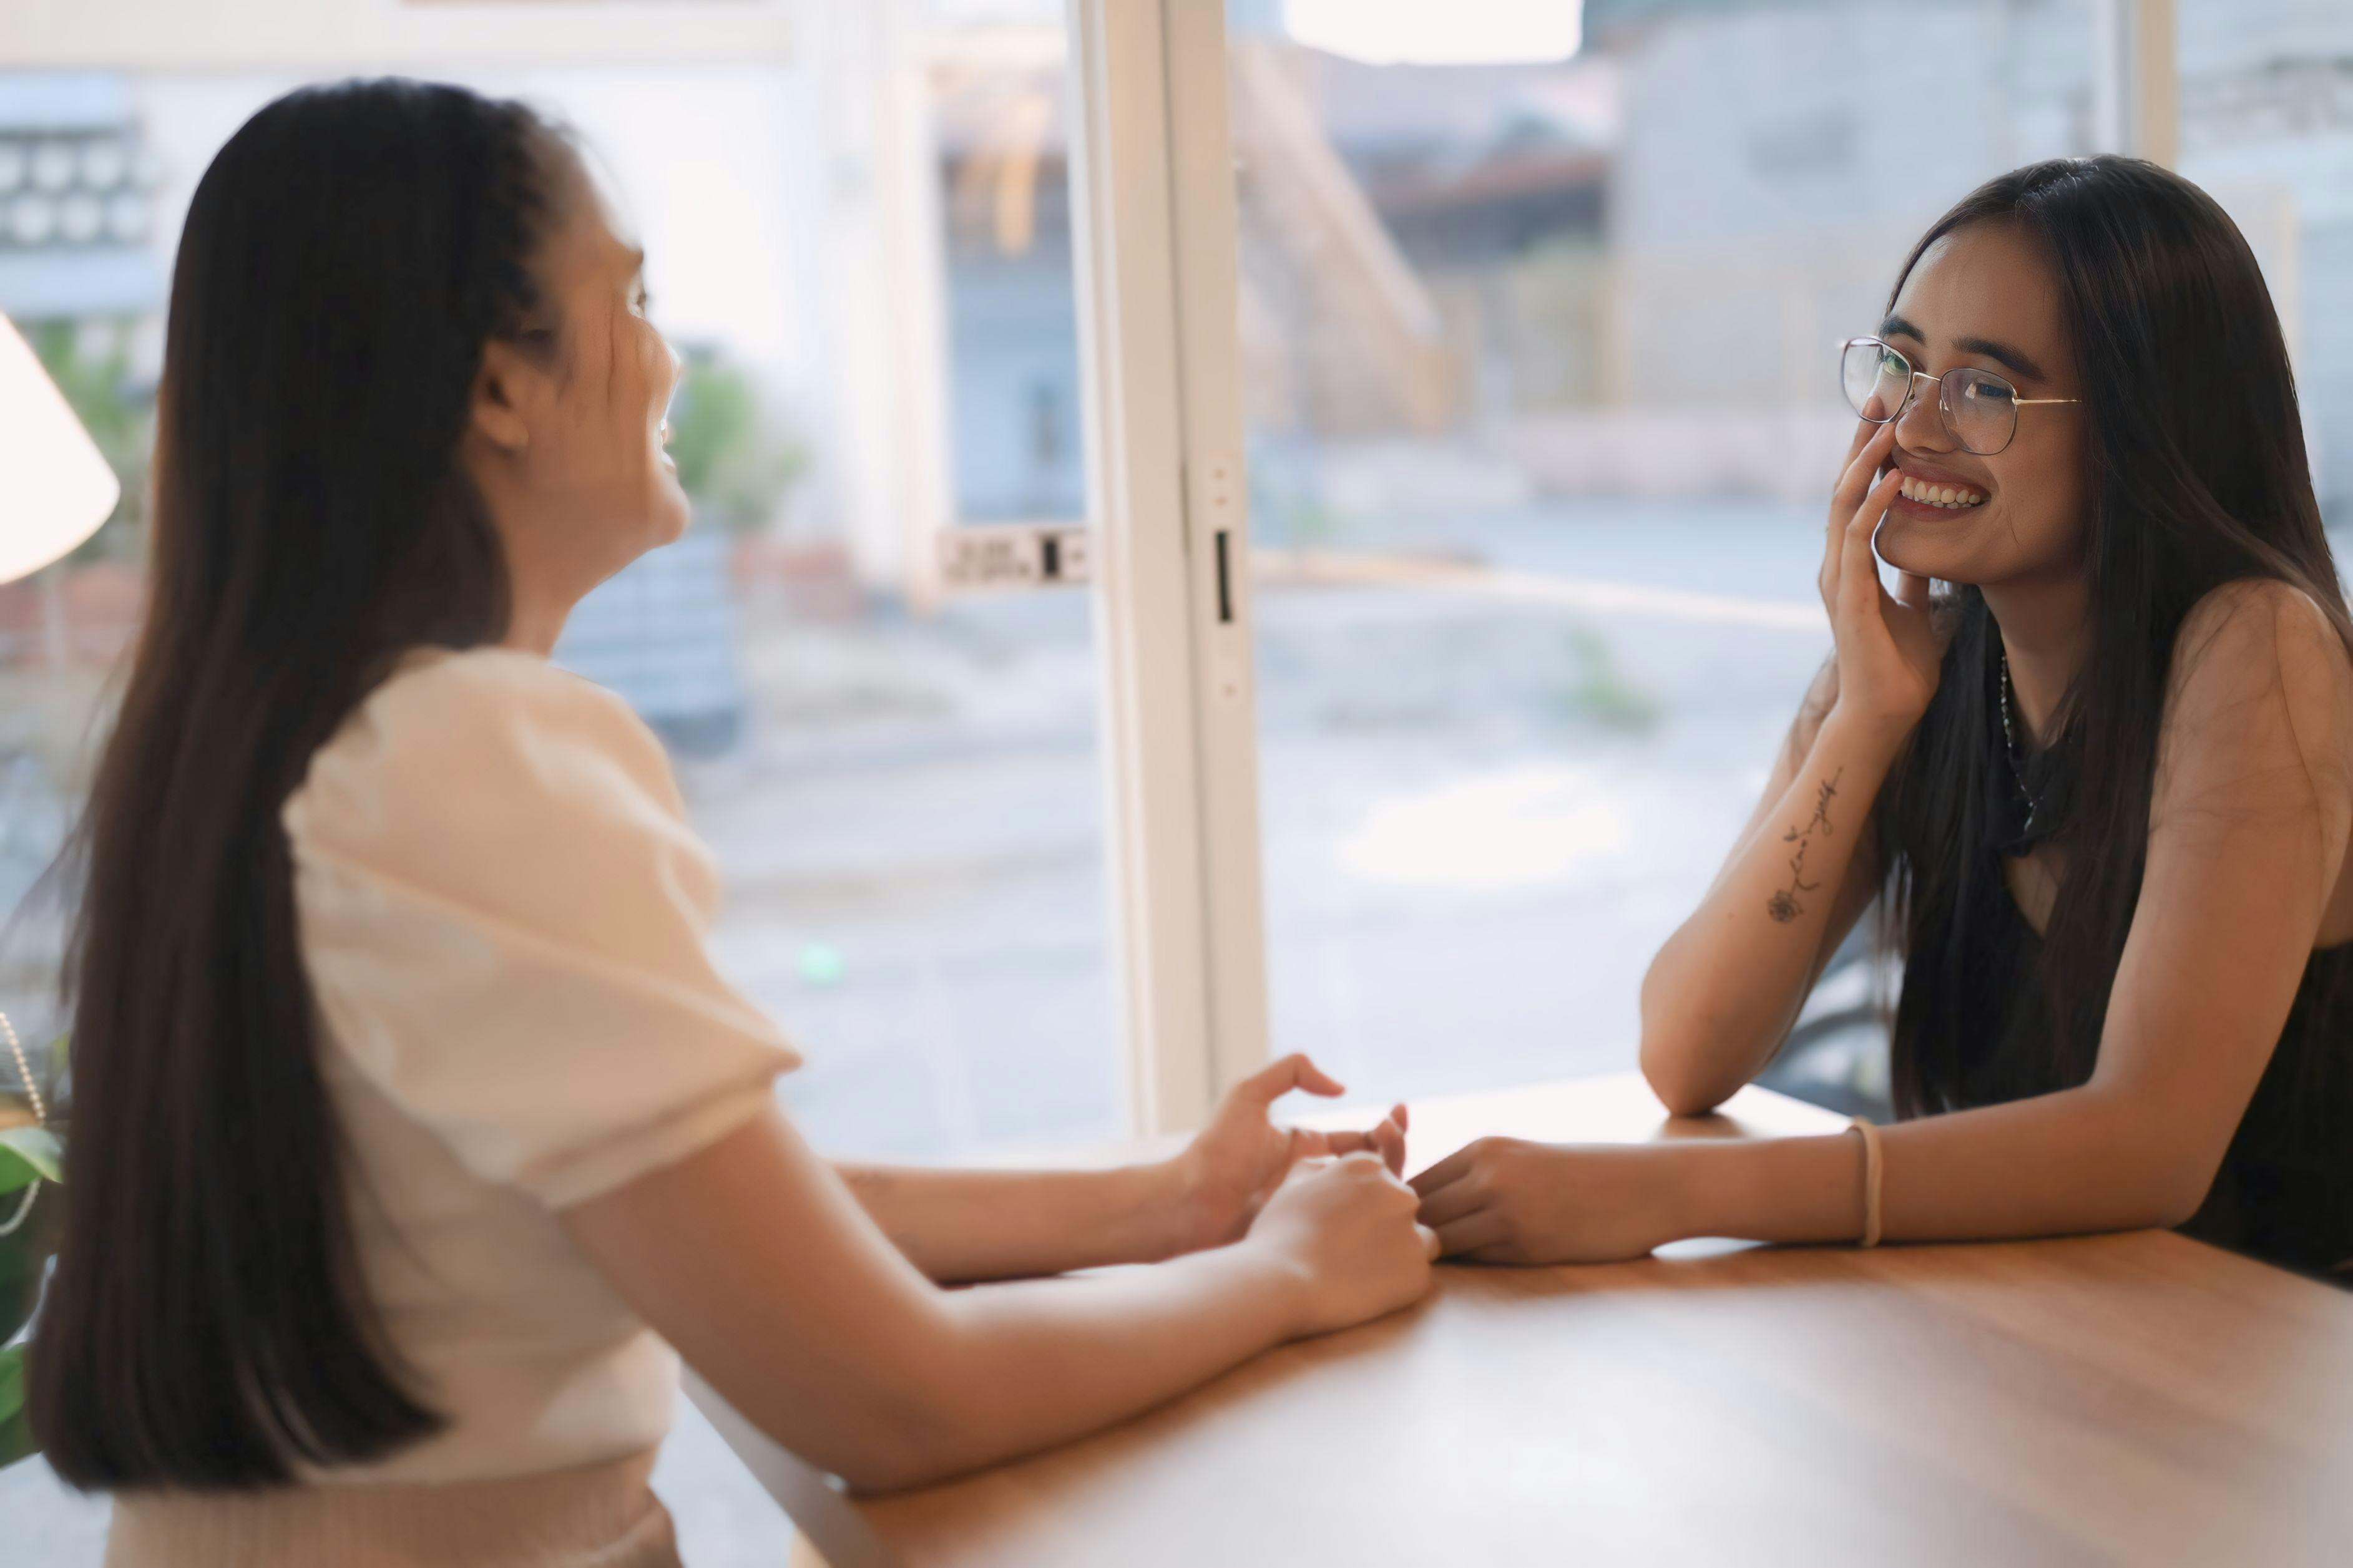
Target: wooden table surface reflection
[2137, 1398]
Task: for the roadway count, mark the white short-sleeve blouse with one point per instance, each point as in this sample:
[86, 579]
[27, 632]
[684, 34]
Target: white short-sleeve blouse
[503, 916]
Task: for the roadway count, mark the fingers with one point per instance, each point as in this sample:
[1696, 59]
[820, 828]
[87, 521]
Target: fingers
[1347, 1140]
[1912, 590]
[1472, 1231]
[1271, 1083]
[1858, 586]
[1855, 479]
[1452, 1202]
[1365, 1166]
[1314, 1080]
[1312, 1165]
[1850, 493]
[1385, 1137]
[1274, 1080]
[1447, 1171]
[1865, 429]
[1432, 1247]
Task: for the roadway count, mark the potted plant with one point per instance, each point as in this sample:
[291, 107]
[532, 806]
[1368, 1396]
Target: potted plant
[31, 1160]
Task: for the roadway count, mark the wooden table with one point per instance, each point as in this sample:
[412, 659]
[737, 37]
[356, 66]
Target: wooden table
[2139, 1398]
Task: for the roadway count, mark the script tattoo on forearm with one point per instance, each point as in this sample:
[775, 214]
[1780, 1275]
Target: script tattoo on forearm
[1783, 905]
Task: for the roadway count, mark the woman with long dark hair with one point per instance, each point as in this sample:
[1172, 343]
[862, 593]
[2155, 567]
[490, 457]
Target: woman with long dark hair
[2101, 782]
[412, 1126]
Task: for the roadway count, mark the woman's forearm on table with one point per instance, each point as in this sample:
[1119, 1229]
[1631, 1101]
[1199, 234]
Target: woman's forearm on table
[2079, 1161]
[1724, 987]
[1038, 1362]
[965, 1225]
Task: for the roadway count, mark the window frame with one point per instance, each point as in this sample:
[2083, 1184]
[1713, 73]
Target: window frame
[1153, 225]
[1155, 235]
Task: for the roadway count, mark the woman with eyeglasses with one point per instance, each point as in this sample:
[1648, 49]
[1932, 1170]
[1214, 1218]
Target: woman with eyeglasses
[415, 1135]
[2091, 759]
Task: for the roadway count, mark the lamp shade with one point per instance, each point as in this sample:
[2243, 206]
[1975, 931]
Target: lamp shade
[55, 488]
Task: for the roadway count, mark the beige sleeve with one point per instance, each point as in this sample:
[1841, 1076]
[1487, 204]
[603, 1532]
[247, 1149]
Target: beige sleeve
[504, 918]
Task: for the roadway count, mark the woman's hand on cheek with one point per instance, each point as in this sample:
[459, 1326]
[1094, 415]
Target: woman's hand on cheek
[1504, 1199]
[1888, 655]
[1225, 1174]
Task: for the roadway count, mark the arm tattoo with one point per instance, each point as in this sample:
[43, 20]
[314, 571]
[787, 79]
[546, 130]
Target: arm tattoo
[1783, 905]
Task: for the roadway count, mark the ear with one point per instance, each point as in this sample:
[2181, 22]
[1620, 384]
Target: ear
[500, 389]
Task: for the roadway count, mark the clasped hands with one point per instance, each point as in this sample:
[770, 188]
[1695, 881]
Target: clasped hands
[1497, 1200]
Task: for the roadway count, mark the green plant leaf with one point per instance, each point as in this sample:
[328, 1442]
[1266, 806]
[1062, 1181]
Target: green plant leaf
[15, 1430]
[30, 1154]
[21, 1260]
[18, 1297]
[17, 1441]
[25, 1253]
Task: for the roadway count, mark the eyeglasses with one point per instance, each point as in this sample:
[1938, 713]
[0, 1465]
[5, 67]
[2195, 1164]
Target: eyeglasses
[1979, 409]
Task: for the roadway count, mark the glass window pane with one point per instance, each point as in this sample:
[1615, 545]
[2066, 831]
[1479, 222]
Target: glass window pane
[902, 789]
[1544, 408]
[901, 784]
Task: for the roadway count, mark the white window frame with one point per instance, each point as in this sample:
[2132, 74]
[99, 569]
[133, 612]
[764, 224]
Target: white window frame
[2135, 83]
[1154, 242]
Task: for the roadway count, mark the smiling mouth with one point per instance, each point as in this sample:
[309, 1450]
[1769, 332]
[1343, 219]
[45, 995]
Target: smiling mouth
[1949, 497]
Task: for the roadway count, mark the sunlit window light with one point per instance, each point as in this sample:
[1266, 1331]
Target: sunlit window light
[1461, 32]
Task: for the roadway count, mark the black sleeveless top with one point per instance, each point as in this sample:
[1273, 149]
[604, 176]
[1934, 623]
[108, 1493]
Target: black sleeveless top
[2284, 1192]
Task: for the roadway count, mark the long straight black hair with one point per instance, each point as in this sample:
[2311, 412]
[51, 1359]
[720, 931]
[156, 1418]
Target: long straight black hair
[345, 259]
[2195, 476]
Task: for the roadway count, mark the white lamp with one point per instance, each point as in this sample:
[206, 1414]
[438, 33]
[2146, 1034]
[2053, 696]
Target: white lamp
[55, 488]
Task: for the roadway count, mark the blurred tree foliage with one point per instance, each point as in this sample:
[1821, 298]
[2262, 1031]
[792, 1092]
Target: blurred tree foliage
[734, 459]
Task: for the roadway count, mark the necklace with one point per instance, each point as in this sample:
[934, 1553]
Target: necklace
[2012, 752]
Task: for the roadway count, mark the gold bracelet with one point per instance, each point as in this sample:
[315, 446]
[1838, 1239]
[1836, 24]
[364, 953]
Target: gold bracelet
[1873, 1165]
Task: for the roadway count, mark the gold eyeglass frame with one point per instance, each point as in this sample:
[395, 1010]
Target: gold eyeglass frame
[1944, 393]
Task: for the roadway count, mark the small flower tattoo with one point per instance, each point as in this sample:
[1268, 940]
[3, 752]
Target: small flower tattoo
[1783, 906]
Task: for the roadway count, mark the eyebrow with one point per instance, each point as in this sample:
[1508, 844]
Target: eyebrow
[2016, 360]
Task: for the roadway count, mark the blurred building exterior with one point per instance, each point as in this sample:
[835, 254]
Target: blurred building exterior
[2267, 127]
[1779, 158]
[1622, 273]
[78, 186]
